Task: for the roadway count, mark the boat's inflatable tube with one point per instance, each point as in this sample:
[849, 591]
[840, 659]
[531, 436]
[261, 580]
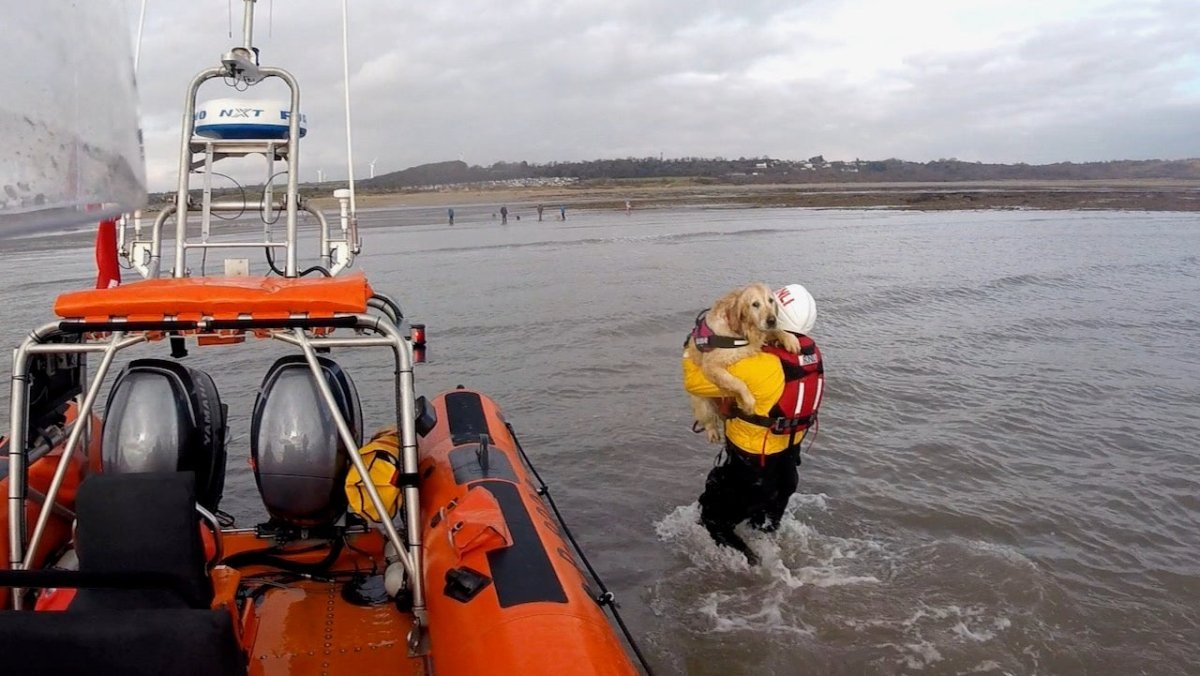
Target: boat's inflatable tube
[504, 592]
[41, 472]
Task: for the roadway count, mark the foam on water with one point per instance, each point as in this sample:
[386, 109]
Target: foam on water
[930, 633]
[728, 613]
[795, 557]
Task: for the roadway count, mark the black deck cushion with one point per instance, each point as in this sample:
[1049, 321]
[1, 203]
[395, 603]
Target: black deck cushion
[466, 417]
[180, 642]
[141, 523]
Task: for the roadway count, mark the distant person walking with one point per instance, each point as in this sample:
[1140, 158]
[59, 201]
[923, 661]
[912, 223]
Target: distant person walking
[628, 208]
[503, 215]
[450, 213]
[539, 213]
[562, 213]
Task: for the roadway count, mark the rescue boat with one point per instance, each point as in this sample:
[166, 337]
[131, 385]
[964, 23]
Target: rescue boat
[421, 544]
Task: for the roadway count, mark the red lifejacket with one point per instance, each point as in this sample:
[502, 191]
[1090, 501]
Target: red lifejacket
[803, 385]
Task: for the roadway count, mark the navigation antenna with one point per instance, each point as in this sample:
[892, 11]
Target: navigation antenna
[355, 244]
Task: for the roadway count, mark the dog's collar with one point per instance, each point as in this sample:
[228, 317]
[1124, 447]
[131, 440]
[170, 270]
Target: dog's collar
[706, 340]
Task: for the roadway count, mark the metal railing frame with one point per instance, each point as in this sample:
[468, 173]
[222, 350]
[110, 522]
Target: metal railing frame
[387, 334]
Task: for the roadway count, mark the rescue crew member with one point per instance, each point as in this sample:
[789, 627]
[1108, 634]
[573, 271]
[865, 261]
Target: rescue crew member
[762, 450]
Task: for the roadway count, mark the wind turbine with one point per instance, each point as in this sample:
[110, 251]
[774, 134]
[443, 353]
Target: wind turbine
[373, 166]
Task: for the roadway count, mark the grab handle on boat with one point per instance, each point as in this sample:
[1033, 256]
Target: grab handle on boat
[482, 454]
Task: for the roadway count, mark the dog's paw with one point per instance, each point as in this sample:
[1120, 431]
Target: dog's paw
[715, 436]
[789, 342]
[746, 403]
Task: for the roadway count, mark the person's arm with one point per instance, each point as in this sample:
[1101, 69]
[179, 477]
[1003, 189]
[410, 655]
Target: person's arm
[695, 382]
[761, 373]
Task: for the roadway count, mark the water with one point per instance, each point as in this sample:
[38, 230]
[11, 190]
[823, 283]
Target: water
[1005, 479]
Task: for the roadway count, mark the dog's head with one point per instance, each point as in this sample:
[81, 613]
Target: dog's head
[749, 311]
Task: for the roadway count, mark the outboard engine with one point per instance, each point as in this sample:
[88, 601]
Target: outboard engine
[299, 460]
[163, 416]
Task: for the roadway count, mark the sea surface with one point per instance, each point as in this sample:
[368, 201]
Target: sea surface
[1006, 478]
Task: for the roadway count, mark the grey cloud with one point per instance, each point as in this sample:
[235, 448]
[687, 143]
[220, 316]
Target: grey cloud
[569, 80]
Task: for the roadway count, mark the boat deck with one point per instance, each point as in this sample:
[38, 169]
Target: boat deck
[308, 628]
[305, 626]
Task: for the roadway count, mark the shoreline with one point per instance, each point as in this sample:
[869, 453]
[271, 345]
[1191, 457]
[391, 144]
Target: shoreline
[1154, 195]
[1124, 195]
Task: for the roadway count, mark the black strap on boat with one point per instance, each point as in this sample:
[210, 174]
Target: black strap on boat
[404, 479]
[606, 597]
[178, 346]
[108, 327]
[275, 558]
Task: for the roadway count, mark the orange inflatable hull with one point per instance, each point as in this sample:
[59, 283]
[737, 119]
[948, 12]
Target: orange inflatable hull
[504, 591]
[41, 472]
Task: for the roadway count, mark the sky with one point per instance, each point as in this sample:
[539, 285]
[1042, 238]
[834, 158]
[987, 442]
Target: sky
[1035, 81]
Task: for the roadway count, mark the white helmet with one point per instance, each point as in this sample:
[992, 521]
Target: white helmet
[797, 309]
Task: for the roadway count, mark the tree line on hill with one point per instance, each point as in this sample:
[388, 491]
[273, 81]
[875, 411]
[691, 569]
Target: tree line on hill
[755, 170]
[768, 170]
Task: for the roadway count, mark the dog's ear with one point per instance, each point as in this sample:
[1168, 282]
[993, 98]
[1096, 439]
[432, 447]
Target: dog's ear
[730, 308]
[744, 318]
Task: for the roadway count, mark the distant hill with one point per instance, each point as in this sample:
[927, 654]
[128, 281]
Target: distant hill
[429, 174]
[755, 170]
[769, 170]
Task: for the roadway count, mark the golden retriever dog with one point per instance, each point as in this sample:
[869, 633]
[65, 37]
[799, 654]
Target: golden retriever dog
[747, 316]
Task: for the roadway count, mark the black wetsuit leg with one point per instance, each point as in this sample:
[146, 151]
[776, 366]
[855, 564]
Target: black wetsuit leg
[778, 481]
[728, 498]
